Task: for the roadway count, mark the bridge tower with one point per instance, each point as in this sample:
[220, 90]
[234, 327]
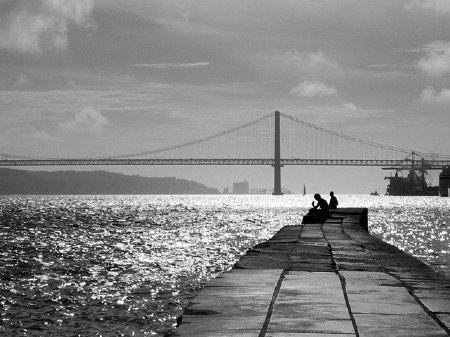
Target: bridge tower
[277, 163]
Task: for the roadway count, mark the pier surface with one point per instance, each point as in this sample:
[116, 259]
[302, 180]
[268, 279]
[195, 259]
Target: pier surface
[322, 280]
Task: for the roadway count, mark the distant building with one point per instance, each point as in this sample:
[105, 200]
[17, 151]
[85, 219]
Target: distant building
[241, 188]
[226, 190]
[259, 191]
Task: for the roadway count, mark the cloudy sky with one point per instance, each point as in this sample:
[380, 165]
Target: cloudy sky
[88, 78]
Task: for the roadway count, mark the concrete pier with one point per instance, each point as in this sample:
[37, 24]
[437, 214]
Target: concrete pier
[322, 280]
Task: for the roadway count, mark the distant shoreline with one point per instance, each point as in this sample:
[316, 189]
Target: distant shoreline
[23, 182]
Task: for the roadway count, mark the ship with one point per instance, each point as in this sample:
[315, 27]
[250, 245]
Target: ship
[414, 183]
[411, 185]
[444, 182]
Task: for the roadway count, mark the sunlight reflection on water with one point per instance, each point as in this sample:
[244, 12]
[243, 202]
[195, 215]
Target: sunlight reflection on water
[123, 265]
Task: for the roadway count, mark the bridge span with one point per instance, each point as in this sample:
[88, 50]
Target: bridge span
[275, 140]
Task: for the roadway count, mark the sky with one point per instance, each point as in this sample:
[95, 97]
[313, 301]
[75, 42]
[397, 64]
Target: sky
[96, 78]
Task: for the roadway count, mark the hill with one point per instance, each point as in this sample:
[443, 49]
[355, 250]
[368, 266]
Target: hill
[14, 181]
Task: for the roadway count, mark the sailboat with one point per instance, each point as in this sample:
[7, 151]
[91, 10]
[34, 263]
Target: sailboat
[304, 189]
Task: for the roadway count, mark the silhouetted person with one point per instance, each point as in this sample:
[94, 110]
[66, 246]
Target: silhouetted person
[333, 201]
[321, 210]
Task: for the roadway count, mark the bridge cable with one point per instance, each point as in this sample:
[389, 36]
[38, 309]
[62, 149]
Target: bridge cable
[354, 139]
[194, 142]
[340, 135]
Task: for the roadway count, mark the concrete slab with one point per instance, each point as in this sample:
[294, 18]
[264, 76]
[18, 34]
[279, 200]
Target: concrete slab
[233, 323]
[283, 240]
[307, 334]
[187, 330]
[311, 267]
[302, 310]
[310, 302]
[357, 266]
[260, 262]
[306, 259]
[251, 305]
[441, 305]
[382, 308]
[304, 300]
[259, 290]
[287, 325]
[247, 278]
[354, 277]
[378, 293]
[398, 326]
[311, 281]
[423, 283]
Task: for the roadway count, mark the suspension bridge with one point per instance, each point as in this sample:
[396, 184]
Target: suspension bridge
[276, 139]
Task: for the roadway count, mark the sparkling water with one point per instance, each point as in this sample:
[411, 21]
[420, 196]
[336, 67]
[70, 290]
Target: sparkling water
[128, 265]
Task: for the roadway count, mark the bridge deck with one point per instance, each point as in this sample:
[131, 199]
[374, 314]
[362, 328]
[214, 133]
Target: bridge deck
[431, 164]
[322, 280]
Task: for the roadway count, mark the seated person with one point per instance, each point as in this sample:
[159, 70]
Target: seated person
[321, 210]
[333, 201]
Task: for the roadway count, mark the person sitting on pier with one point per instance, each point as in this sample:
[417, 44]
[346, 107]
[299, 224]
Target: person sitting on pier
[321, 210]
[333, 201]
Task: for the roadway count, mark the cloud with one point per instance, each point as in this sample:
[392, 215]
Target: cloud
[21, 81]
[430, 95]
[311, 62]
[313, 89]
[88, 120]
[171, 65]
[186, 16]
[391, 67]
[292, 64]
[436, 6]
[346, 113]
[32, 26]
[16, 136]
[42, 136]
[349, 106]
[146, 117]
[436, 62]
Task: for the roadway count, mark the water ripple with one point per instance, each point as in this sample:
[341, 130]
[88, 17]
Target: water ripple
[128, 265]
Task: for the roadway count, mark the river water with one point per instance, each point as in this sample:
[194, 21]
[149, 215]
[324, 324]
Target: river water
[128, 265]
